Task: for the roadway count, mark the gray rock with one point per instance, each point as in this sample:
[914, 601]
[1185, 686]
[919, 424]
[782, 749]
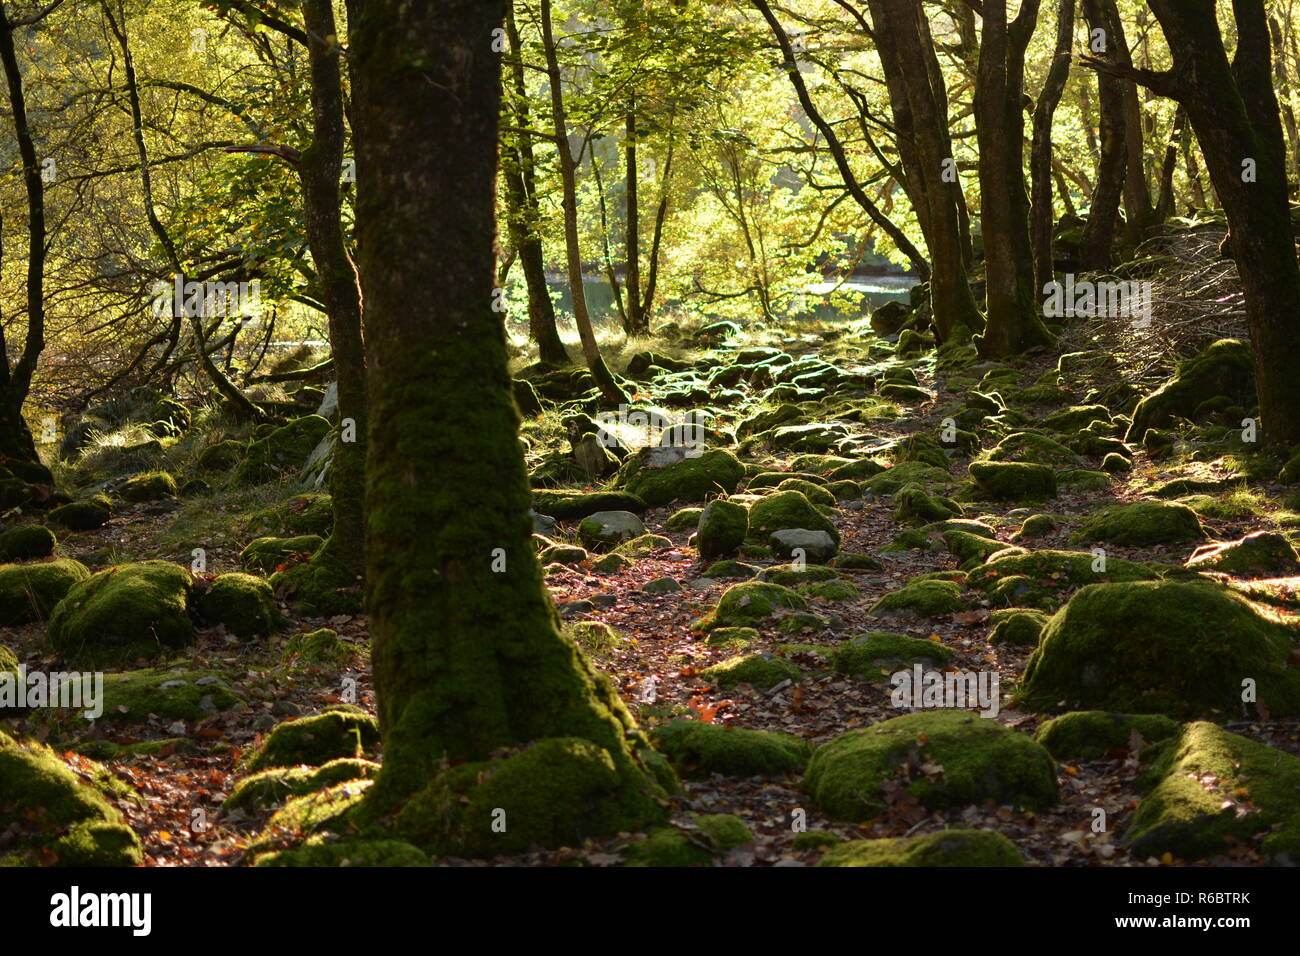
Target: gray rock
[661, 586]
[818, 547]
[610, 527]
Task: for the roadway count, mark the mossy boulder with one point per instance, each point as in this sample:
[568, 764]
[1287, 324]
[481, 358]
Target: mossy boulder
[243, 603]
[29, 592]
[319, 852]
[736, 638]
[722, 529]
[283, 451]
[793, 575]
[1224, 368]
[267, 554]
[1214, 790]
[975, 760]
[25, 542]
[751, 603]
[1090, 734]
[644, 544]
[961, 848]
[729, 569]
[914, 504]
[762, 671]
[697, 749]
[811, 490]
[710, 835]
[1181, 648]
[1057, 570]
[149, 486]
[786, 510]
[56, 817]
[1077, 417]
[838, 590]
[271, 787]
[685, 519]
[123, 613]
[320, 647]
[222, 456]
[1263, 554]
[1032, 448]
[166, 693]
[309, 514]
[1013, 480]
[920, 599]
[691, 479]
[1019, 626]
[971, 550]
[1036, 526]
[318, 739]
[1143, 523]
[85, 515]
[875, 654]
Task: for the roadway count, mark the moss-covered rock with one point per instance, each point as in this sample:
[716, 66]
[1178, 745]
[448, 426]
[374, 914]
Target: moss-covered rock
[317, 851]
[945, 848]
[837, 590]
[265, 555]
[1142, 523]
[691, 479]
[644, 544]
[975, 760]
[785, 510]
[86, 515]
[1019, 626]
[793, 575]
[920, 599]
[711, 835]
[1224, 368]
[1214, 790]
[1035, 526]
[878, 653]
[283, 451]
[698, 749]
[1116, 464]
[243, 603]
[149, 486]
[729, 569]
[736, 638]
[271, 787]
[1057, 570]
[722, 529]
[971, 550]
[1033, 448]
[309, 514]
[685, 519]
[759, 670]
[750, 603]
[1013, 480]
[810, 490]
[1263, 554]
[318, 739]
[1082, 479]
[166, 693]
[222, 456]
[1077, 417]
[55, 817]
[1181, 648]
[123, 613]
[319, 648]
[574, 505]
[29, 592]
[914, 504]
[25, 542]
[1090, 734]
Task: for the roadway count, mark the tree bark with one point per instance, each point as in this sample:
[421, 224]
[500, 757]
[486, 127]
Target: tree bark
[1095, 248]
[1040, 155]
[468, 656]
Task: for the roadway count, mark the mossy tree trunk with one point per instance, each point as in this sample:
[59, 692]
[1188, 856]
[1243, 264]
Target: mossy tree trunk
[1012, 302]
[468, 654]
[523, 215]
[1234, 112]
[320, 172]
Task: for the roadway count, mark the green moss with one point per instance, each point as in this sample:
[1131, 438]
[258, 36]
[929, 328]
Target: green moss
[914, 504]
[1057, 570]
[270, 787]
[149, 486]
[697, 749]
[729, 569]
[888, 482]
[783, 510]
[793, 575]
[1032, 448]
[973, 549]
[310, 514]
[243, 603]
[1013, 481]
[750, 603]
[123, 613]
[84, 515]
[25, 542]
[857, 562]
[319, 647]
[811, 840]
[595, 637]
[1017, 626]
[1077, 417]
[169, 694]
[318, 852]
[666, 847]
[810, 490]
[9, 661]
[29, 592]
[758, 670]
[686, 519]
[573, 505]
[64, 820]
[722, 529]
[1143, 523]
[323, 585]
[644, 544]
[1036, 526]
[264, 555]
[945, 848]
[981, 760]
[830, 590]
[875, 654]
[733, 637]
[283, 451]
[1181, 648]
[222, 456]
[316, 740]
[692, 479]
[1261, 554]
[1215, 790]
[610, 564]
[1090, 734]
[1223, 368]
[920, 598]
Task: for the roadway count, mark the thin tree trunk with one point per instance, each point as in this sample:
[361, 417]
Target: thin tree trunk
[636, 323]
[1095, 248]
[1040, 156]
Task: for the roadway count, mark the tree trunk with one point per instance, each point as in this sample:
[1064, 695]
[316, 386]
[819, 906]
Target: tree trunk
[636, 320]
[1011, 307]
[468, 656]
[523, 214]
[1095, 248]
[609, 388]
[1138, 211]
[920, 112]
[1234, 112]
[319, 172]
[1040, 155]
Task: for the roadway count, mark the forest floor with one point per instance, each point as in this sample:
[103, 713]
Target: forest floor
[176, 792]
